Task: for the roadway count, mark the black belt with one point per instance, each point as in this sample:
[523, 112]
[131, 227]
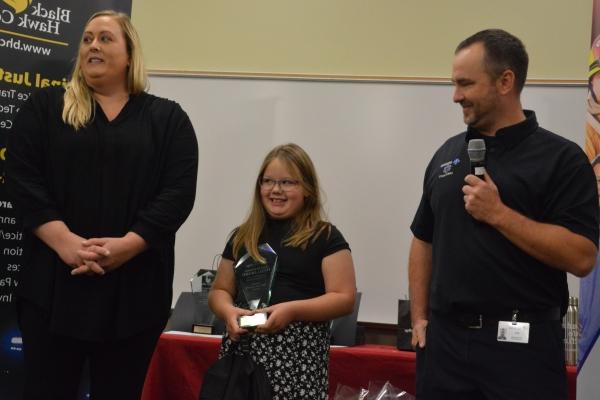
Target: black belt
[474, 320]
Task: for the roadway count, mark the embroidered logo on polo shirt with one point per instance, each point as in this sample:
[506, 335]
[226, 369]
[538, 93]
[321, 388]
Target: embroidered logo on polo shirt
[447, 168]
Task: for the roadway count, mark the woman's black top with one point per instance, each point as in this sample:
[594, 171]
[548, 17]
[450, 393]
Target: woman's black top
[134, 173]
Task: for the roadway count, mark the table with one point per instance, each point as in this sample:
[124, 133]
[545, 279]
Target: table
[179, 362]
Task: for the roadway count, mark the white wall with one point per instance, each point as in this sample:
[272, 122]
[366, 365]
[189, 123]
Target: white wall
[370, 143]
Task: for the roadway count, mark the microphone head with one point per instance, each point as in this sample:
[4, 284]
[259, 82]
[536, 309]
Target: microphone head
[476, 150]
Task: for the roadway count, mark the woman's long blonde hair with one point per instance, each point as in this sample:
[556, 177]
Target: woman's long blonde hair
[310, 221]
[78, 100]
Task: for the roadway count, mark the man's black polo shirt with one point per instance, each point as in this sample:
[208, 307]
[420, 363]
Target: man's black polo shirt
[539, 174]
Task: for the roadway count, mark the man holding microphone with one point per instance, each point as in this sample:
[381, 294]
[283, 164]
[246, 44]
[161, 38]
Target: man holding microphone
[494, 237]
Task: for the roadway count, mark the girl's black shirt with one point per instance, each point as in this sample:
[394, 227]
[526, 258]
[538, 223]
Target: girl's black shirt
[299, 273]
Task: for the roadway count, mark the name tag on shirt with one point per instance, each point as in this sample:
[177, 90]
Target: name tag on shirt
[513, 332]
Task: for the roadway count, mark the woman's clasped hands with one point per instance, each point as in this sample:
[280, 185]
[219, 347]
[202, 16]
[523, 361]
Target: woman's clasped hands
[98, 256]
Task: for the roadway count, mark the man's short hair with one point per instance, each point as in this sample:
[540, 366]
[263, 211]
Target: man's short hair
[502, 51]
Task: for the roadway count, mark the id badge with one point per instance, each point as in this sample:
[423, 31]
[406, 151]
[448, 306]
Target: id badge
[513, 332]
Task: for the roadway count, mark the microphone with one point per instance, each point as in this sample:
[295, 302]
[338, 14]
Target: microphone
[476, 150]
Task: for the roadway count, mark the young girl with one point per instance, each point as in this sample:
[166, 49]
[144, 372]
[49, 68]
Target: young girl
[314, 281]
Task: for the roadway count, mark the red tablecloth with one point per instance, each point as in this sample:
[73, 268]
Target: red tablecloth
[179, 363]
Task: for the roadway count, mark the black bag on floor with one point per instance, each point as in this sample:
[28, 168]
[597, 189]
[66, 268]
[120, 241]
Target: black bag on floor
[235, 377]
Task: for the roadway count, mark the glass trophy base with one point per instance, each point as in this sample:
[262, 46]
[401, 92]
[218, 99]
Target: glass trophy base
[252, 321]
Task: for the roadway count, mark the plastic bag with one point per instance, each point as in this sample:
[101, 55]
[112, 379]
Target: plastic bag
[386, 391]
[377, 390]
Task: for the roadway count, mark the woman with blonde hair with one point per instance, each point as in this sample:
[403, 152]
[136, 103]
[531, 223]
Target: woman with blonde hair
[314, 280]
[102, 174]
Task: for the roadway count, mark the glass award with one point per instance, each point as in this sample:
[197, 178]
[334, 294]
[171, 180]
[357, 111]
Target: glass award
[204, 319]
[254, 281]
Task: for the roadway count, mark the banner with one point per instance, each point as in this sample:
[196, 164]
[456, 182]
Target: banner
[38, 43]
[589, 289]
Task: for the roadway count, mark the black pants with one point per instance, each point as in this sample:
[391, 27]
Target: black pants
[470, 364]
[54, 363]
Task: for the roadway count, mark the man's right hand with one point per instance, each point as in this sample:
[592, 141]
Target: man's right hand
[419, 329]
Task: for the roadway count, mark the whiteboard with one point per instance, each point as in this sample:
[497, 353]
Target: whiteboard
[370, 143]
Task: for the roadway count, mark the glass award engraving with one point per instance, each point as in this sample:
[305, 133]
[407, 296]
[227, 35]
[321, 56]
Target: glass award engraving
[254, 281]
[204, 319]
